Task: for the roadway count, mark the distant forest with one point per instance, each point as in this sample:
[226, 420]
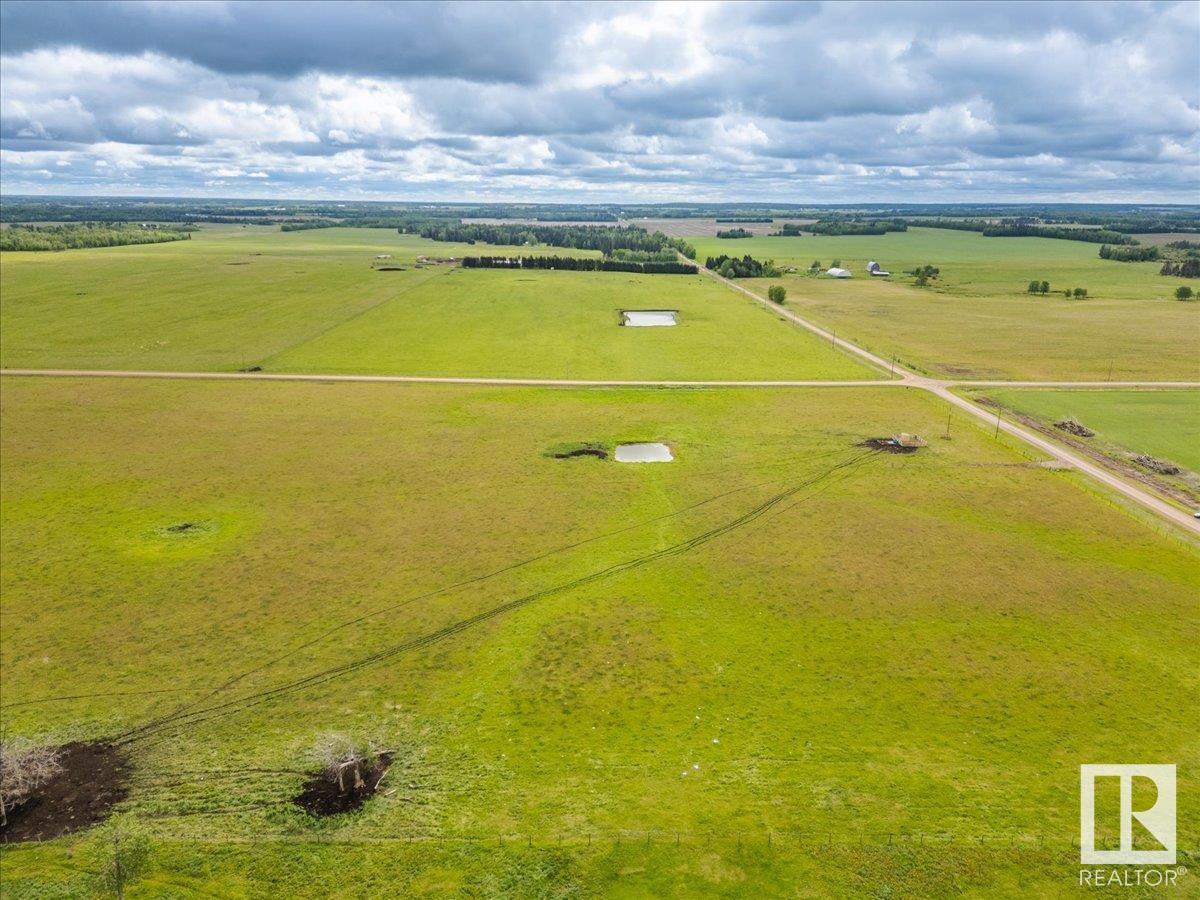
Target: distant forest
[84, 235]
[578, 264]
[606, 239]
[1102, 223]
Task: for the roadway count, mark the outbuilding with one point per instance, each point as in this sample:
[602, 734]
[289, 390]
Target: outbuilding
[835, 272]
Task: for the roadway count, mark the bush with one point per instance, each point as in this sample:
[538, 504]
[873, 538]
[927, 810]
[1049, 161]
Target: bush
[1183, 293]
[24, 767]
[776, 294]
[340, 756]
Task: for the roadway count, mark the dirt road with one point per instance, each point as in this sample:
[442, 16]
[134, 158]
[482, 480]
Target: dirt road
[1139, 495]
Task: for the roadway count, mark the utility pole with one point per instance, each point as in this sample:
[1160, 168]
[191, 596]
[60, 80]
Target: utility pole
[998, 410]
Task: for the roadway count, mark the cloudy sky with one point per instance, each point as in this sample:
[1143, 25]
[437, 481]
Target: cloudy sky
[801, 102]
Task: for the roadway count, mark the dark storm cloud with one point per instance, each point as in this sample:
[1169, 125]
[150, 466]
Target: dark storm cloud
[478, 41]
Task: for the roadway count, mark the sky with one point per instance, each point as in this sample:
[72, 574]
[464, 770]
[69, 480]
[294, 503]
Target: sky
[803, 102]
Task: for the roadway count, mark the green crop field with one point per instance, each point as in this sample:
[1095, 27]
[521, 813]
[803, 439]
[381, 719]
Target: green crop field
[310, 301]
[976, 320]
[596, 678]
[1164, 424]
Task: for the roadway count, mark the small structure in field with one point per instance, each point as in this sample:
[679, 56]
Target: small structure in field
[875, 271]
[835, 272]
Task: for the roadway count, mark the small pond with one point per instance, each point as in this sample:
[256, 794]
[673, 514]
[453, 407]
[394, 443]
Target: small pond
[648, 318]
[637, 453]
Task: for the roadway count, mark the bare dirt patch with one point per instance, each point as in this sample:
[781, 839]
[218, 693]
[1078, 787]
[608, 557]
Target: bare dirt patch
[94, 778]
[582, 451]
[327, 794]
[901, 443]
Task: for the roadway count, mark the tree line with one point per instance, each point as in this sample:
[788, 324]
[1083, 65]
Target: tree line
[835, 227]
[735, 233]
[604, 238]
[85, 235]
[578, 264]
[1129, 254]
[746, 267]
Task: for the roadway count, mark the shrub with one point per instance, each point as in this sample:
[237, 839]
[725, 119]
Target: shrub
[776, 293]
[24, 767]
[1183, 293]
[339, 755]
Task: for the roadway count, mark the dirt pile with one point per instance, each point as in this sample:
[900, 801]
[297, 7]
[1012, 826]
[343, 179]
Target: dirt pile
[900, 443]
[1161, 466]
[92, 780]
[1072, 427]
[329, 794]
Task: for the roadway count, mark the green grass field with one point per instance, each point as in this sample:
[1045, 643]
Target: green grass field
[309, 301]
[1165, 424]
[976, 321]
[565, 325]
[898, 644]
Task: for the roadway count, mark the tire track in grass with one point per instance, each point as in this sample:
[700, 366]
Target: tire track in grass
[190, 718]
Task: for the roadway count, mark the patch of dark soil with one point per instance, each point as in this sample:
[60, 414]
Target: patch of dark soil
[1072, 427]
[94, 779]
[239, 263]
[582, 451]
[182, 527]
[892, 444]
[323, 796]
[1161, 466]
[251, 369]
[389, 268]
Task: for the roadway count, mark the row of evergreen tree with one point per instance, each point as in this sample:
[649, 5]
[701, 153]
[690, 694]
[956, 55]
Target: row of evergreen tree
[578, 264]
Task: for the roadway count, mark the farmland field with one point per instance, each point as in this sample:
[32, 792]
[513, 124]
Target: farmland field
[310, 301]
[976, 320]
[779, 636]
[1165, 424]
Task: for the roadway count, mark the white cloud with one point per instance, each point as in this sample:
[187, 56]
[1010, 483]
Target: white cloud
[612, 101]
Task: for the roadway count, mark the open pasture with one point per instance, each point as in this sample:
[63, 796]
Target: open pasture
[311, 301]
[777, 632]
[976, 320]
[223, 300]
[550, 324]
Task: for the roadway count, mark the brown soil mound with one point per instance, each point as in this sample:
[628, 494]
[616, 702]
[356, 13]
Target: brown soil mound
[94, 778]
[582, 451]
[1072, 427]
[323, 797]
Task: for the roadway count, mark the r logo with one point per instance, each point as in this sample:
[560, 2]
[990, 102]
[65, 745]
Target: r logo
[1159, 819]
